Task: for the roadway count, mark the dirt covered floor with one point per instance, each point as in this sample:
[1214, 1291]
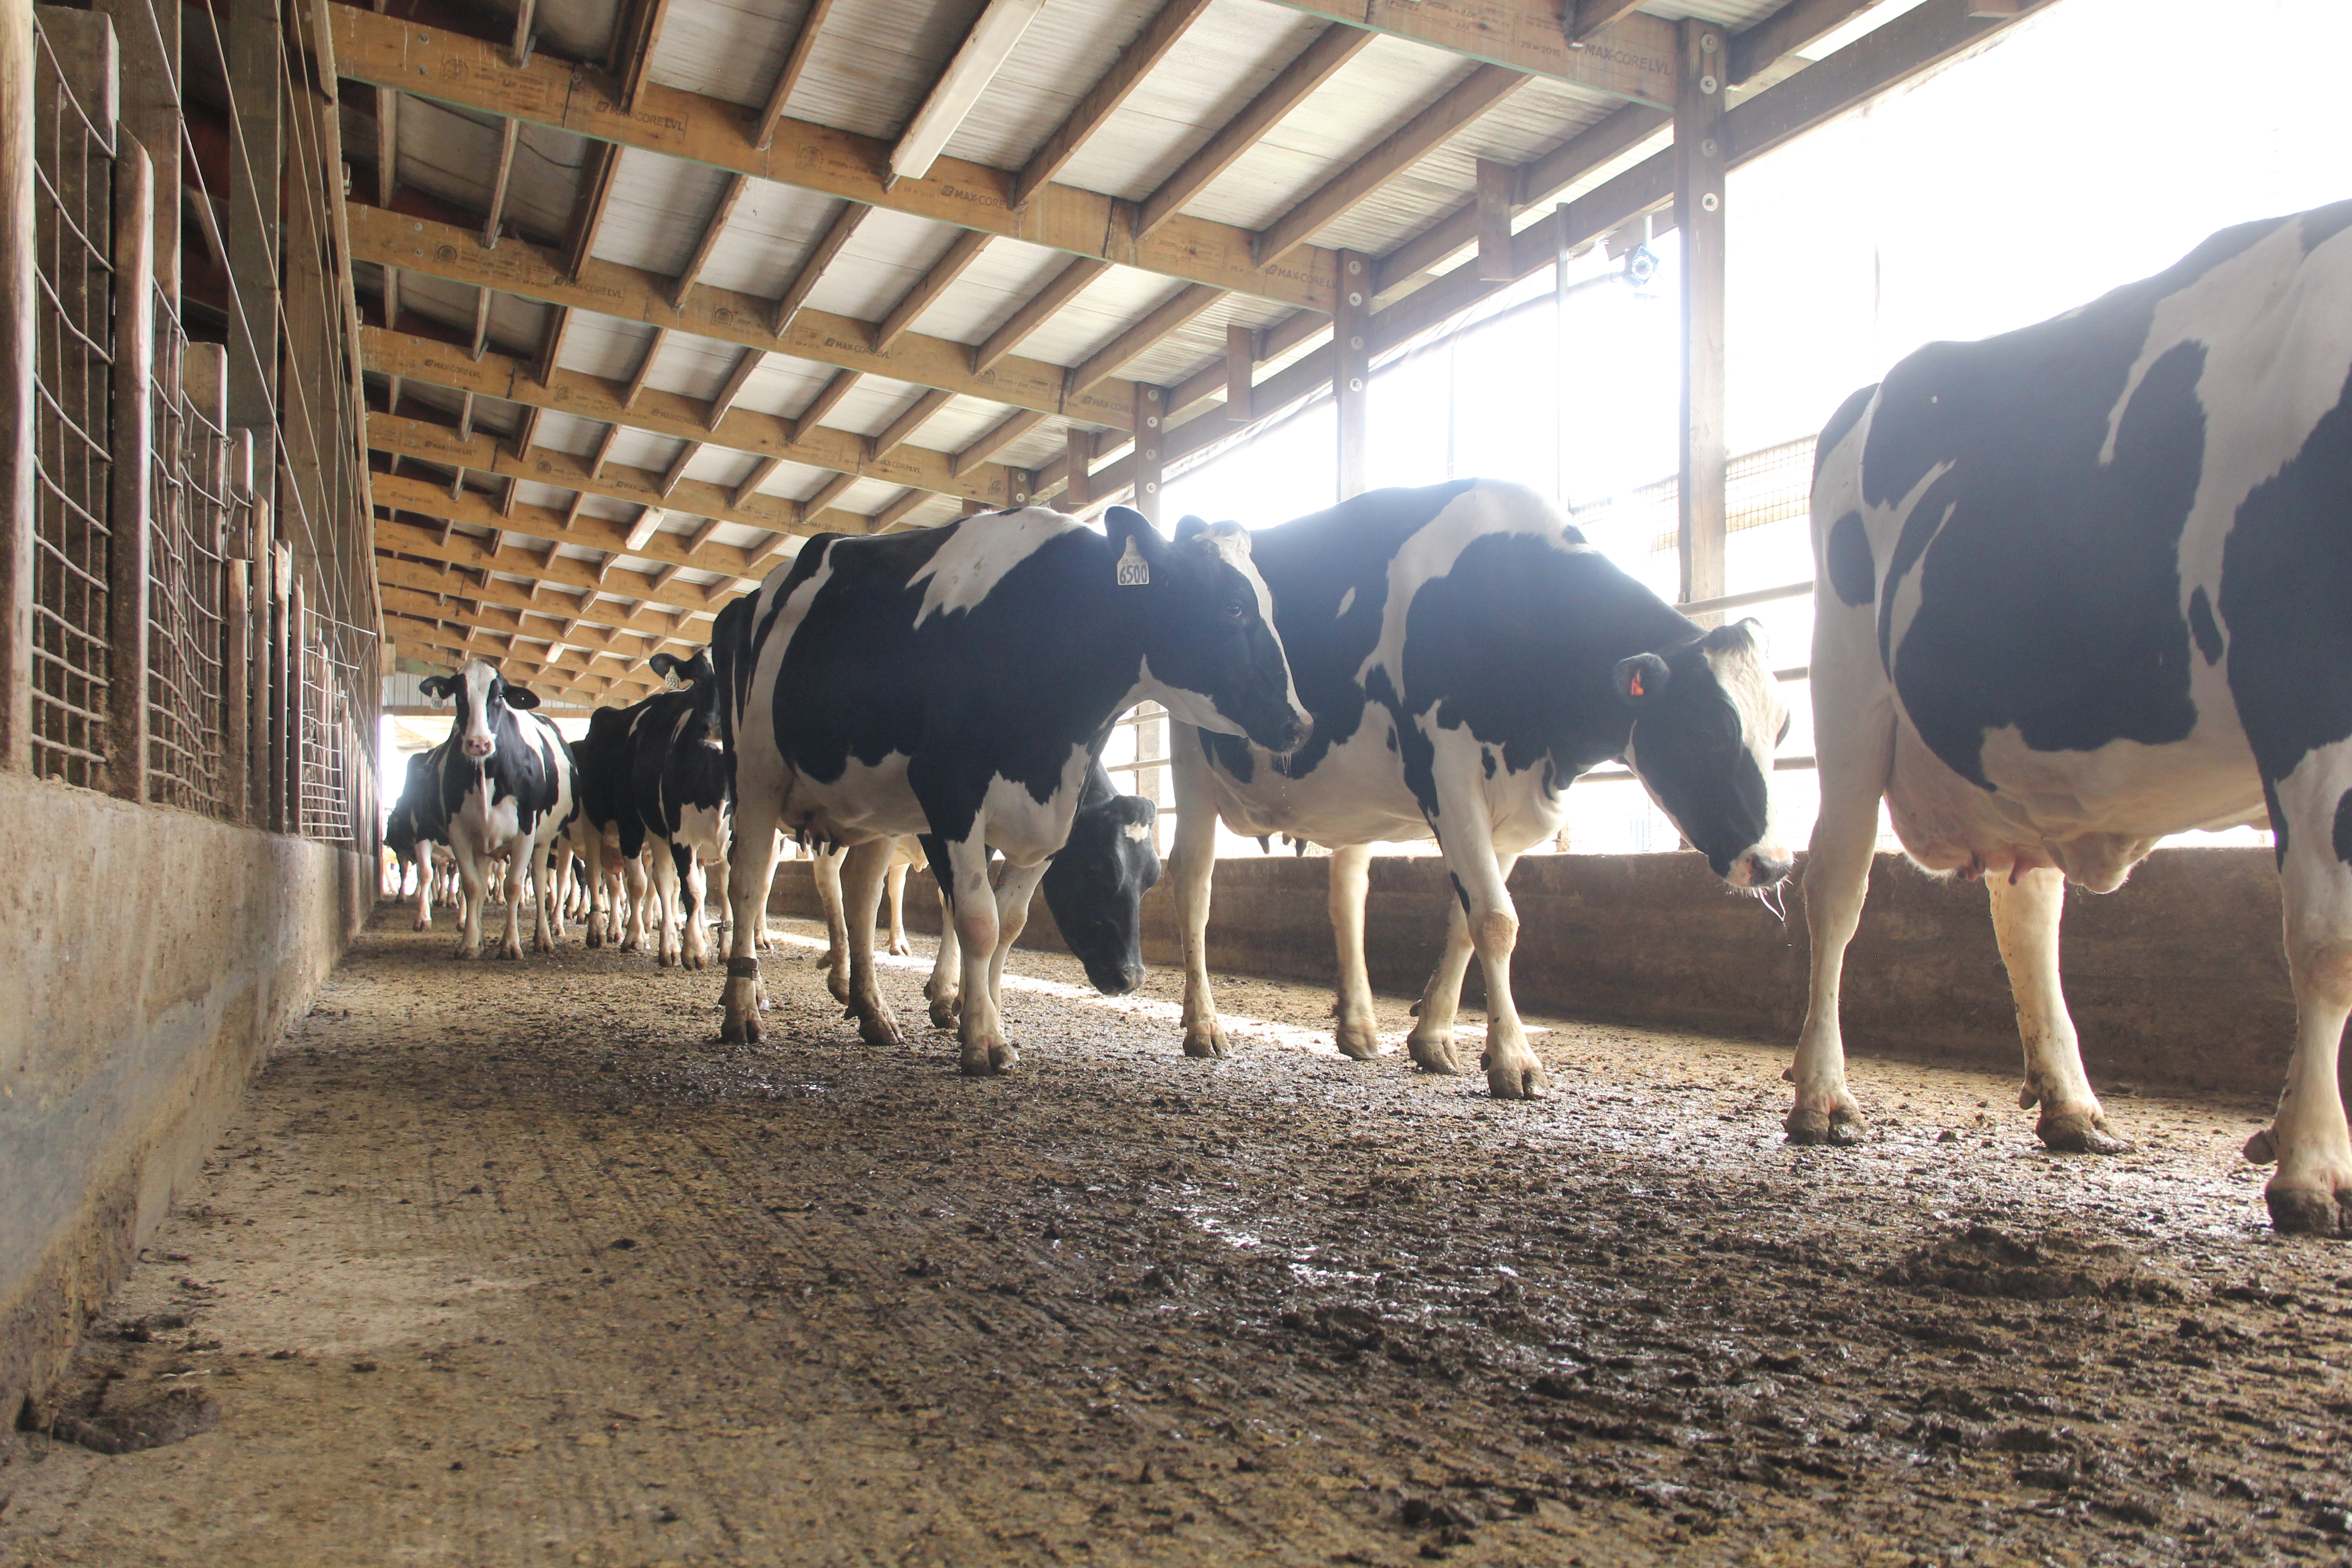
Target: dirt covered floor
[517, 1264]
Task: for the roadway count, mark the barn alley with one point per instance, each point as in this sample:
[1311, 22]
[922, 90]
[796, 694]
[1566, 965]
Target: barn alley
[528, 1273]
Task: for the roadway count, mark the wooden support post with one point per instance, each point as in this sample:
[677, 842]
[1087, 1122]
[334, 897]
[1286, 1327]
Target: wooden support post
[297, 659]
[132, 475]
[1700, 163]
[1077, 453]
[20, 339]
[1352, 336]
[1150, 433]
[148, 35]
[254, 40]
[1241, 364]
[1495, 182]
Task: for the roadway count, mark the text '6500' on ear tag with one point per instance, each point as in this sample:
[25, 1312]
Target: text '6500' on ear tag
[1134, 571]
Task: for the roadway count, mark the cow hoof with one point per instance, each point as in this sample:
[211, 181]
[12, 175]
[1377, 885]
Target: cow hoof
[839, 985]
[902, 948]
[1840, 1125]
[990, 1061]
[879, 1029]
[1357, 1042]
[1433, 1056]
[421, 925]
[1208, 1042]
[2073, 1132]
[1525, 1080]
[2305, 1210]
[945, 1015]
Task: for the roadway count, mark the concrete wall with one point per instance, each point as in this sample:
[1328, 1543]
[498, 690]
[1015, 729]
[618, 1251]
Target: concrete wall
[2177, 979]
[148, 961]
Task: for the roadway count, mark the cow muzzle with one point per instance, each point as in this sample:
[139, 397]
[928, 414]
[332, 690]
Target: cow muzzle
[480, 747]
[1762, 866]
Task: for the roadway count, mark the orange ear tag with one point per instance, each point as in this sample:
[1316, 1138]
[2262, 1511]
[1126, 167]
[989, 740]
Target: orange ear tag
[1635, 688]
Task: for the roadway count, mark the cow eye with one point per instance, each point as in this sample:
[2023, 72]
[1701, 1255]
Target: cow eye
[1236, 611]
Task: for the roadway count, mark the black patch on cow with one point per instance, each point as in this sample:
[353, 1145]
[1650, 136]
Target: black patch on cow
[1232, 753]
[2287, 594]
[2323, 224]
[1314, 564]
[2051, 598]
[1486, 760]
[2343, 837]
[1853, 572]
[1461, 893]
[1007, 687]
[2203, 627]
[1842, 423]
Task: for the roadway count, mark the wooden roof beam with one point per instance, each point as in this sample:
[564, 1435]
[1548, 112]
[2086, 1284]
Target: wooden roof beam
[828, 246]
[461, 549]
[445, 251]
[495, 612]
[1063, 287]
[507, 134]
[1334, 46]
[917, 414]
[588, 206]
[828, 397]
[1631, 58]
[1586, 18]
[637, 34]
[1464, 103]
[763, 127]
[700, 257]
[895, 510]
[933, 283]
[996, 438]
[388, 52]
[1146, 50]
[995, 33]
[1184, 306]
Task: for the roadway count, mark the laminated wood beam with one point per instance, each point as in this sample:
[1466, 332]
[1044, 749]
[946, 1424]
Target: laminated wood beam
[763, 127]
[828, 397]
[562, 572]
[996, 438]
[828, 246]
[912, 420]
[1184, 306]
[1586, 18]
[669, 414]
[1631, 58]
[471, 73]
[1333, 47]
[443, 251]
[933, 283]
[507, 134]
[1148, 48]
[588, 207]
[1464, 103]
[711, 231]
[547, 623]
[896, 510]
[1058, 291]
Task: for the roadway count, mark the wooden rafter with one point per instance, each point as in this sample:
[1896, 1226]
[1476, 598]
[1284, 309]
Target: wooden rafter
[1148, 48]
[996, 438]
[910, 421]
[828, 397]
[1631, 58]
[1332, 47]
[470, 73]
[637, 34]
[896, 510]
[509, 133]
[828, 246]
[588, 207]
[1060, 291]
[711, 231]
[409, 538]
[1184, 306]
[795, 62]
[936, 281]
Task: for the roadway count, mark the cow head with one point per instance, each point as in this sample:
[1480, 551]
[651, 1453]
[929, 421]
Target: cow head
[1707, 716]
[1210, 654]
[1096, 886]
[483, 697]
[696, 676]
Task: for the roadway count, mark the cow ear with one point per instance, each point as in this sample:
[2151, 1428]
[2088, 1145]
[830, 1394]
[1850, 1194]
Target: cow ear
[1138, 810]
[1190, 528]
[1739, 636]
[520, 695]
[1643, 677]
[439, 687]
[663, 664]
[1137, 544]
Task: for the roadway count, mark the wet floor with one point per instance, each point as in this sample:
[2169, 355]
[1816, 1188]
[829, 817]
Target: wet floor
[517, 1264]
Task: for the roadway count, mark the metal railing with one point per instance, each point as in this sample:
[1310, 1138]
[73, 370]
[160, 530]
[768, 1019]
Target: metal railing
[329, 731]
[74, 208]
[196, 518]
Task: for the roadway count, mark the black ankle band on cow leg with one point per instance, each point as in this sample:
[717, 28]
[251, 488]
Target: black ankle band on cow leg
[742, 969]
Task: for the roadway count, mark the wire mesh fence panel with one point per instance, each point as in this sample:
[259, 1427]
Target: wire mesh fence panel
[73, 214]
[330, 734]
[191, 512]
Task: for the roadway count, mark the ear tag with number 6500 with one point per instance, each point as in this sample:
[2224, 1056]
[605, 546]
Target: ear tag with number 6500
[1134, 571]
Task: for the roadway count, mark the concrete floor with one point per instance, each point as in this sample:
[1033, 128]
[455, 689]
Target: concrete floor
[517, 1264]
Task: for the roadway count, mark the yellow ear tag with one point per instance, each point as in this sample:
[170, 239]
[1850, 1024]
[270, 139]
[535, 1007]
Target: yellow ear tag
[1134, 571]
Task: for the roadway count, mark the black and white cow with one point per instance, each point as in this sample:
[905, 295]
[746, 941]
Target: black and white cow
[1465, 654]
[1094, 885]
[413, 826]
[678, 798]
[2082, 585]
[602, 766]
[960, 681]
[507, 789]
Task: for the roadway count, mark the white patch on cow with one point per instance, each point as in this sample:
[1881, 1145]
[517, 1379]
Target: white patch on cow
[1347, 602]
[479, 740]
[968, 565]
[1137, 831]
[1432, 550]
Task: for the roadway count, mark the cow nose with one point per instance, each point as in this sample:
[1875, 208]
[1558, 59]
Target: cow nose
[1130, 977]
[1767, 868]
[480, 748]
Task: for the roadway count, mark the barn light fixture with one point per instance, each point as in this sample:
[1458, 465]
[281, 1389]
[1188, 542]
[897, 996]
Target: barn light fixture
[985, 49]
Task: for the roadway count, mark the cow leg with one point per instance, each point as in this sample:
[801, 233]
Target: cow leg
[826, 872]
[547, 896]
[1431, 1043]
[1015, 894]
[1192, 865]
[518, 872]
[1356, 1027]
[863, 871]
[425, 872]
[749, 871]
[2025, 915]
[899, 947]
[633, 879]
[591, 855]
[2312, 1188]
[469, 891]
[947, 966]
[1465, 837]
[665, 870]
[713, 871]
[696, 952]
[980, 1032]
